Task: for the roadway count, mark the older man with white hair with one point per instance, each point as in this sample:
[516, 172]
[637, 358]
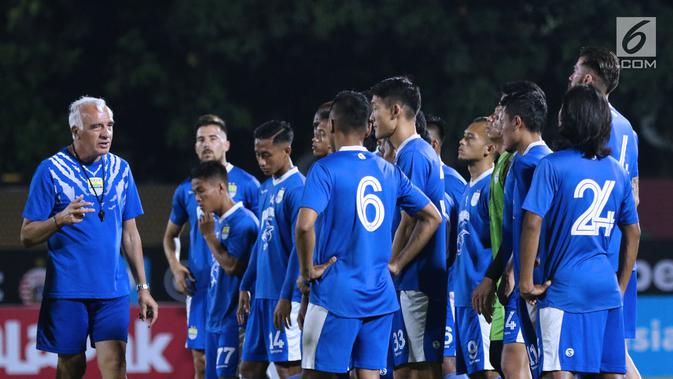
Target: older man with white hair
[83, 202]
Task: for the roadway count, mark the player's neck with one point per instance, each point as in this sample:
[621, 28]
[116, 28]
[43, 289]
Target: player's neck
[526, 139]
[476, 168]
[286, 167]
[226, 205]
[341, 140]
[404, 130]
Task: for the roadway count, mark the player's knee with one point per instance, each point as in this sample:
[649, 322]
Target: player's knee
[112, 363]
[514, 363]
[252, 370]
[71, 365]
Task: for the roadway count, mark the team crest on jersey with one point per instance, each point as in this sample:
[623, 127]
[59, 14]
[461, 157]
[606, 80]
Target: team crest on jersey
[231, 188]
[224, 233]
[192, 332]
[96, 186]
[279, 195]
[475, 198]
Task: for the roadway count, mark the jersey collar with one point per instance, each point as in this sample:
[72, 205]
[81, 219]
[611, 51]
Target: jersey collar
[232, 210]
[290, 172]
[533, 144]
[406, 141]
[353, 148]
[482, 176]
[229, 166]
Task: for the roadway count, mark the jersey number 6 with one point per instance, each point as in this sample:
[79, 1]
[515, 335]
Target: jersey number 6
[363, 201]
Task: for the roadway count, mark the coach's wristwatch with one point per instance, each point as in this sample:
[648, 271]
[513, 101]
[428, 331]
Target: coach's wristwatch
[143, 286]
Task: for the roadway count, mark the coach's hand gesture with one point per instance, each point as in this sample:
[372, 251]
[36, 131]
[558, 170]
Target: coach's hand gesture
[74, 213]
[243, 307]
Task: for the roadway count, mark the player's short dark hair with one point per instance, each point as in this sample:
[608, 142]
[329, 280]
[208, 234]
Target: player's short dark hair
[280, 131]
[437, 123]
[585, 121]
[605, 64]
[209, 170]
[211, 119]
[399, 89]
[519, 86]
[422, 127]
[350, 110]
[530, 105]
[323, 110]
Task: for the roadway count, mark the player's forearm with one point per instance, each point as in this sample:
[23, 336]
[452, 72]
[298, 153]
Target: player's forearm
[305, 238]
[530, 239]
[133, 250]
[250, 273]
[171, 243]
[402, 235]
[424, 226]
[228, 263]
[35, 232]
[291, 275]
[628, 253]
[497, 266]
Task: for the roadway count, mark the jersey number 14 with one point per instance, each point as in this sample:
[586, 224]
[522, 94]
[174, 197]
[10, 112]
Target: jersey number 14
[590, 222]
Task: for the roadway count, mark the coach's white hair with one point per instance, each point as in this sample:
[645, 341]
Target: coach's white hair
[75, 116]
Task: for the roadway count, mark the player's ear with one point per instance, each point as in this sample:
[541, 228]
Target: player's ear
[395, 110]
[588, 79]
[288, 149]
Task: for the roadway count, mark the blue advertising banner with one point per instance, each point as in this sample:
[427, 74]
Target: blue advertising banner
[652, 349]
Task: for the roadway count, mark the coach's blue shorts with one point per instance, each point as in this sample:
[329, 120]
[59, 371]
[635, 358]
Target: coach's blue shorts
[263, 342]
[65, 324]
[472, 342]
[591, 342]
[197, 311]
[222, 353]
[449, 334]
[630, 300]
[418, 329]
[337, 344]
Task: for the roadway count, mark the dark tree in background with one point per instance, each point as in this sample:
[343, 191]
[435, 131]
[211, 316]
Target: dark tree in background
[161, 64]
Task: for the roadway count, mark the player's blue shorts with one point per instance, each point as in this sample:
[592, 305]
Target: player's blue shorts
[630, 300]
[197, 311]
[512, 326]
[263, 342]
[418, 329]
[591, 342]
[449, 338]
[472, 342]
[65, 324]
[222, 353]
[336, 344]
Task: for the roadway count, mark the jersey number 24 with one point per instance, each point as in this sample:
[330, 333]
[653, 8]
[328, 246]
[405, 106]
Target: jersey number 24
[590, 222]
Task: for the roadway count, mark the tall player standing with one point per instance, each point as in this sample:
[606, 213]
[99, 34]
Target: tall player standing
[454, 186]
[474, 252]
[272, 333]
[418, 328]
[577, 196]
[600, 68]
[354, 192]
[211, 144]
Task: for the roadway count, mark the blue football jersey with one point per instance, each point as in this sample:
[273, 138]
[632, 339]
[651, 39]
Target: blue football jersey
[242, 187]
[474, 239]
[84, 258]
[355, 192]
[454, 186]
[582, 200]
[517, 185]
[236, 230]
[623, 144]
[420, 163]
[274, 273]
